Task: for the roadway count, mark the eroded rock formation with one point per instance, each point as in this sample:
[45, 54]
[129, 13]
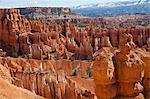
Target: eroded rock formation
[46, 40]
[50, 79]
[145, 56]
[129, 69]
[120, 73]
[104, 74]
[9, 91]
[49, 58]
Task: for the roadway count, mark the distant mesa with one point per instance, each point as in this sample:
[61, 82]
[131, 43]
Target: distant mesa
[47, 12]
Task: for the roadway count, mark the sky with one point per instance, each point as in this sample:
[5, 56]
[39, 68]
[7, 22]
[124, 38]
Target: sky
[49, 3]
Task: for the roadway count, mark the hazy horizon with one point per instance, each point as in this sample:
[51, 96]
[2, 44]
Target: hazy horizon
[50, 3]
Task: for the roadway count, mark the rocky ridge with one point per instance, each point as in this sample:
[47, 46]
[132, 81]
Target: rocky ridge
[47, 13]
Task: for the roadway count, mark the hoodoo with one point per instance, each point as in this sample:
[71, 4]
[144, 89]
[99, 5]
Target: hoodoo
[54, 53]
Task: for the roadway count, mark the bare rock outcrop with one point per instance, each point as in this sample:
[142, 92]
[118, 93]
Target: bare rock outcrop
[104, 75]
[129, 69]
[118, 70]
[11, 25]
[145, 56]
[49, 78]
[8, 90]
[119, 73]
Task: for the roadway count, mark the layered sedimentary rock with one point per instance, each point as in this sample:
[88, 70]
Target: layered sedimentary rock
[11, 25]
[117, 73]
[46, 40]
[47, 13]
[49, 78]
[8, 90]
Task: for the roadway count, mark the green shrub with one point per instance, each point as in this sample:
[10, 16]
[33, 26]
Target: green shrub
[14, 54]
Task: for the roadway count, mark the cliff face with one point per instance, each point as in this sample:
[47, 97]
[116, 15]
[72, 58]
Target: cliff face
[12, 24]
[47, 13]
[48, 10]
[49, 78]
[9, 91]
